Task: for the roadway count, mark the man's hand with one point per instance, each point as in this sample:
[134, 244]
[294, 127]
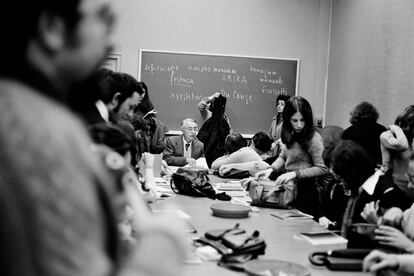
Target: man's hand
[191, 161]
[324, 222]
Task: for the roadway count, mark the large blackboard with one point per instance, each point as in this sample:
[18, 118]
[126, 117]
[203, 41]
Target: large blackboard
[178, 81]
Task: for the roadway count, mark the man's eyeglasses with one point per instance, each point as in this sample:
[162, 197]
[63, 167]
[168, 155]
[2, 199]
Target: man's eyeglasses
[191, 128]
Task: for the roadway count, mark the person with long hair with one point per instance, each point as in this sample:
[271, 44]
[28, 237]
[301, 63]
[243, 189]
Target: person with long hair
[369, 188]
[152, 129]
[396, 146]
[275, 129]
[300, 158]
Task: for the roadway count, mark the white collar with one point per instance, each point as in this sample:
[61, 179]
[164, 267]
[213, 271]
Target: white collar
[102, 109]
[370, 184]
[185, 142]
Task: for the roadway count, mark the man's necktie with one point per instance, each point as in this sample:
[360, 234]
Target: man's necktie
[187, 145]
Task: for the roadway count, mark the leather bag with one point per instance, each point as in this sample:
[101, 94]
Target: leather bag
[194, 181]
[265, 193]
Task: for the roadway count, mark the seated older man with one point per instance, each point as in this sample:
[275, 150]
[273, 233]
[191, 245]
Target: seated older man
[184, 149]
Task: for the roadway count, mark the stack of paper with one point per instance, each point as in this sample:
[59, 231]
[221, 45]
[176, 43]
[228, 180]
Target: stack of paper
[232, 188]
[291, 215]
[320, 238]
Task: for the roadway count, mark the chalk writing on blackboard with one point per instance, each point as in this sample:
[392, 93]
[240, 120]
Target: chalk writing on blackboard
[177, 82]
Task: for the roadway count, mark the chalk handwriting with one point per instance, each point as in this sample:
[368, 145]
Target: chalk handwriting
[265, 79]
[234, 78]
[201, 69]
[159, 68]
[187, 96]
[190, 96]
[263, 71]
[180, 80]
[224, 70]
[274, 91]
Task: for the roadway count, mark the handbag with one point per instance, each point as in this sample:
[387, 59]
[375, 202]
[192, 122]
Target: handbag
[265, 193]
[341, 259]
[235, 246]
[193, 181]
[235, 174]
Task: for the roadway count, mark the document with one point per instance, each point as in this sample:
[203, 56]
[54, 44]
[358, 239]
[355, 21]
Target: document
[321, 238]
[291, 215]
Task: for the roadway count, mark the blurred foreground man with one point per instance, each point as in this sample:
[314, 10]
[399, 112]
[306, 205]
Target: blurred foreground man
[57, 213]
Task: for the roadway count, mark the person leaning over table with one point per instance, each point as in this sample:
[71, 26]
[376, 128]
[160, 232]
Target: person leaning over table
[239, 155]
[184, 149]
[396, 229]
[301, 156]
[372, 191]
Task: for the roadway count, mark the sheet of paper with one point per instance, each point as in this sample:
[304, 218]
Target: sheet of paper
[321, 238]
[202, 162]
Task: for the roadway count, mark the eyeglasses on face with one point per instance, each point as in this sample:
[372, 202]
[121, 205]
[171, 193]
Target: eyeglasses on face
[191, 128]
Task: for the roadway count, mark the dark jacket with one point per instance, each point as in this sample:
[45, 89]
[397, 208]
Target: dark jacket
[214, 131]
[366, 133]
[388, 194]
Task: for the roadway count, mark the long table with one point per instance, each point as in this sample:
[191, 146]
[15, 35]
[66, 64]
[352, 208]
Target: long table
[279, 235]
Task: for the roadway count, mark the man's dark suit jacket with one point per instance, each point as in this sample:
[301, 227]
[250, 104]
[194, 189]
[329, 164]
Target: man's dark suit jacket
[174, 150]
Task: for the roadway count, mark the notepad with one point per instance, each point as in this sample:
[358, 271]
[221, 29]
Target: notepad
[292, 215]
[321, 238]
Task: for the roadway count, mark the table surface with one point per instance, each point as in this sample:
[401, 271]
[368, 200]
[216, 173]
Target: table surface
[279, 235]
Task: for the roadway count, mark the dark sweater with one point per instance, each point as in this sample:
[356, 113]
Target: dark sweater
[366, 133]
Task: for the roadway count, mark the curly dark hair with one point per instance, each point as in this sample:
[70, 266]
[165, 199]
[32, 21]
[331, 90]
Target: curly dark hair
[364, 111]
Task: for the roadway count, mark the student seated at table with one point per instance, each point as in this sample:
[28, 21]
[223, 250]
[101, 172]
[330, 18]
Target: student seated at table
[397, 226]
[184, 149]
[121, 138]
[151, 128]
[370, 189]
[396, 146]
[239, 155]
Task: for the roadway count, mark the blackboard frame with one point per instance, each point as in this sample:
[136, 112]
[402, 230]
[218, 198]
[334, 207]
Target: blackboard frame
[176, 130]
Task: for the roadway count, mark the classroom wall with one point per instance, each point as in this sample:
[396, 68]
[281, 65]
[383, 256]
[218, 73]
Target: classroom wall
[266, 28]
[371, 58]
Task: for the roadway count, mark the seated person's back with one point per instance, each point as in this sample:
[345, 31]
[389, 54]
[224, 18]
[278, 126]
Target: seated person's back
[237, 152]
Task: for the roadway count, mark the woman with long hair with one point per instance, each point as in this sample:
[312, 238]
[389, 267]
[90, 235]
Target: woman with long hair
[145, 121]
[371, 191]
[277, 121]
[300, 158]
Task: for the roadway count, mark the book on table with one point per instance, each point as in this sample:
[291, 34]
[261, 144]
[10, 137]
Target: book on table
[324, 237]
[292, 214]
